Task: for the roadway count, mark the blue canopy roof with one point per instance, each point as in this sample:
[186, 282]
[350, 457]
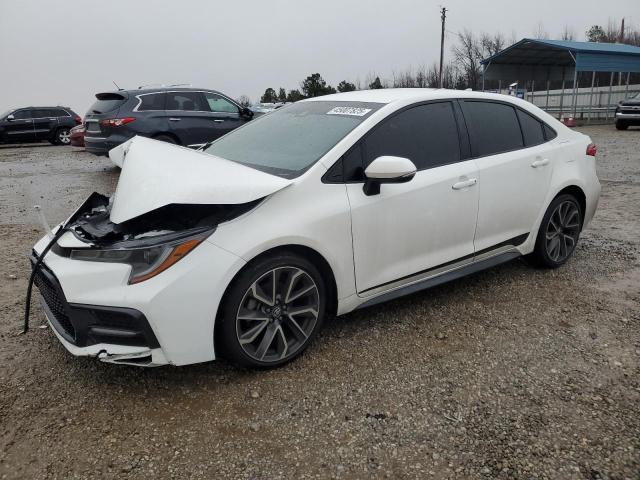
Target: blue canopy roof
[584, 56]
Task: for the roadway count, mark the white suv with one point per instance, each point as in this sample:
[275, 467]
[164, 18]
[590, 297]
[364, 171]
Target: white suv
[241, 249]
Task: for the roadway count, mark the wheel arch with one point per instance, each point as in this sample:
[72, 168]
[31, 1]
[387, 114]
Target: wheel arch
[167, 134]
[578, 193]
[304, 251]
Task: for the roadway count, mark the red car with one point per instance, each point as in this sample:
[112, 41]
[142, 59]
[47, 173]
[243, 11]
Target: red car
[77, 135]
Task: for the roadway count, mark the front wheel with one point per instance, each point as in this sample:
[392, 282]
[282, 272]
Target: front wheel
[559, 232]
[271, 312]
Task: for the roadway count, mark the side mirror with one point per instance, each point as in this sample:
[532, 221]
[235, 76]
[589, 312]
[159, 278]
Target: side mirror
[387, 169]
[246, 112]
[10, 117]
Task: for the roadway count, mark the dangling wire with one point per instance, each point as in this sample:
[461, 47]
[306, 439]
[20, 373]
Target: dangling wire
[34, 271]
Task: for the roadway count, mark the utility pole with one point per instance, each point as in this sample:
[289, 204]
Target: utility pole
[443, 16]
[621, 39]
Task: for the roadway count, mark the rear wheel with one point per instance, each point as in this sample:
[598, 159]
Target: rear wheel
[559, 232]
[165, 138]
[271, 312]
[63, 136]
[621, 125]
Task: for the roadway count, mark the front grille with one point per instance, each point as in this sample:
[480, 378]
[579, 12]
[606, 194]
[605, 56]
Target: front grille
[56, 304]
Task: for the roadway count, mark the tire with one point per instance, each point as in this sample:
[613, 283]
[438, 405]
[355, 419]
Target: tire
[559, 232]
[621, 126]
[62, 136]
[165, 138]
[257, 331]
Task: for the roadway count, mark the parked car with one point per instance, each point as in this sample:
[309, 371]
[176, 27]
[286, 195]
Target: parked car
[628, 113]
[32, 124]
[327, 205]
[183, 116]
[76, 135]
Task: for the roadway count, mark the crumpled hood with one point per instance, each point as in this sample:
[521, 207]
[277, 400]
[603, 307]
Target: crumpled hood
[155, 174]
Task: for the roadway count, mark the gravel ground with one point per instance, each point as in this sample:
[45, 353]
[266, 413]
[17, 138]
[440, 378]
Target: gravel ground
[510, 373]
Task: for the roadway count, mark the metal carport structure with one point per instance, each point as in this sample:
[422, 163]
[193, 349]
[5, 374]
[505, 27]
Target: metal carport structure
[548, 62]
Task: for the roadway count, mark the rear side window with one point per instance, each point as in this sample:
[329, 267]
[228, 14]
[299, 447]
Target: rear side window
[22, 114]
[107, 102]
[41, 113]
[549, 133]
[531, 129]
[151, 102]
[427, 135]
[186, 101]
[58, 112]
[493, 127]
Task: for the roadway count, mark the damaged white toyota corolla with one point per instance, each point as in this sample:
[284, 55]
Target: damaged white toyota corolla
[242, 248]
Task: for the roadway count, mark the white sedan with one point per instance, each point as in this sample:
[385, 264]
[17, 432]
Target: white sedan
[241, 249]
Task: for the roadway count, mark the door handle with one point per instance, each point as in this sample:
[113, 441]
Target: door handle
[464, 184]
[540, 163]
[218, 121]
[174, 119]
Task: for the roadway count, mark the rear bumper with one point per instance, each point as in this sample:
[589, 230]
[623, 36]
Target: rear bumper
[100, 145]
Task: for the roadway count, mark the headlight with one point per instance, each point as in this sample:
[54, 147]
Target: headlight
[146, 262]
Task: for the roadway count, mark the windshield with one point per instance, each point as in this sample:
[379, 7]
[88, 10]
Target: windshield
[291, 139]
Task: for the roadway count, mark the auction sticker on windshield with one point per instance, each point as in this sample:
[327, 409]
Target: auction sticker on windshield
[356, 111]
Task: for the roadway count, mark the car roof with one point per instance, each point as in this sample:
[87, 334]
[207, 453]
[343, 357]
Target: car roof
[392, 95]
[138, 91]
[47, 106]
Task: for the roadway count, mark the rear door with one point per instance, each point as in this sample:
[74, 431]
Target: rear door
[45, 123]
[514, 171]
[413, 229]
[20, 128]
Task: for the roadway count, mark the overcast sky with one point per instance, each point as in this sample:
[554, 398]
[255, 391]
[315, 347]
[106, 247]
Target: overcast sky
[63, 52]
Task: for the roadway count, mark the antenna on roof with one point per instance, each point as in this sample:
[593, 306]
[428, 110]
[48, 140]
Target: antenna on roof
[114, 82]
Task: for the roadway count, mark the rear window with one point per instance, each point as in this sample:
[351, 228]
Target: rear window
[107, 102]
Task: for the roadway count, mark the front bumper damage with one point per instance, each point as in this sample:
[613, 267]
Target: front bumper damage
[113, 334]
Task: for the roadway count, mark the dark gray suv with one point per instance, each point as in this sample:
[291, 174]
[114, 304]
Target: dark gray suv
[33, 124]
[183, 116]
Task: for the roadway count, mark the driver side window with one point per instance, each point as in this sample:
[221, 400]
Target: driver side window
[22, 115]
[220, 104]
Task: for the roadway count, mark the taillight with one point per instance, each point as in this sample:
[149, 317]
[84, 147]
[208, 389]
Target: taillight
[77, 119]
[116, 122]
[592, 150]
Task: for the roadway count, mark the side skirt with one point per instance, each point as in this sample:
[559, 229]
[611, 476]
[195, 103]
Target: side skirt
[444, 278]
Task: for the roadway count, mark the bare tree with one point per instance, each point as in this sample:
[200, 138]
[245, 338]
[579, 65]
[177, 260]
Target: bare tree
[243, 100]
[568, 33]
[492, 44]
[540, 32]
[468, 53]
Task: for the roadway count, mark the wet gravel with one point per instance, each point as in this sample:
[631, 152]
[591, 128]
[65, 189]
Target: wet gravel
[511, 373]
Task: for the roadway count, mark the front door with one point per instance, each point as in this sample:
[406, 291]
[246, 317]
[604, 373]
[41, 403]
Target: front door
[413, 229]
[20, 127]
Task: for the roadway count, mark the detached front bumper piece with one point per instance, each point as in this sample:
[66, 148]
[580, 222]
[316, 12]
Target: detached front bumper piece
[113, 334]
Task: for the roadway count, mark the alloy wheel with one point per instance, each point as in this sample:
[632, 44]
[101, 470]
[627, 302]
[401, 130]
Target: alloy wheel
[563, 230]
[277, 314]
[64, 136]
